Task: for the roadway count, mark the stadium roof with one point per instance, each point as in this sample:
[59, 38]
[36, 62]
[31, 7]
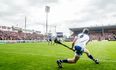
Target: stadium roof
[95, 28]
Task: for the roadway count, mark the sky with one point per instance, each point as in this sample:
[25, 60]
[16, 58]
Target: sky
[64, 14]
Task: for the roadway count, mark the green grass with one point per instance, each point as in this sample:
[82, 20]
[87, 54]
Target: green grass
[41, 56]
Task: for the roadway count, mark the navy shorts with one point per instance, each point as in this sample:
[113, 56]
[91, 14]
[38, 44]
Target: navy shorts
[79, 50]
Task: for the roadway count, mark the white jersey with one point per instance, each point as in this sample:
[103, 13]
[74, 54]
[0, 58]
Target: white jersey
[82, 40]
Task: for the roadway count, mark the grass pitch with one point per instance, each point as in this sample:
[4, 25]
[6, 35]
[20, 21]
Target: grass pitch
[41, 56]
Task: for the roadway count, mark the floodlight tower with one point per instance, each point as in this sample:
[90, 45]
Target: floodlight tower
[25, 22]
[47, 10]
[25, 26]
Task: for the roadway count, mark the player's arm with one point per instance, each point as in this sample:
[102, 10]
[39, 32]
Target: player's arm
[87, 42]
[74, 42]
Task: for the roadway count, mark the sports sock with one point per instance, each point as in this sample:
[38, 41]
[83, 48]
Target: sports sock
[91, 57]
[64, 61]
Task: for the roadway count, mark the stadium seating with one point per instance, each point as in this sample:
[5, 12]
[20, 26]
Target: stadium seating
[10, 35]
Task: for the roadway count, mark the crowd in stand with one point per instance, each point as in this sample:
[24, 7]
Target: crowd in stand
[111, 36]
[10, 35]
[104, 36]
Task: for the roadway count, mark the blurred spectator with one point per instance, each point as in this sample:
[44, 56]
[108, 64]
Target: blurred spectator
[9, 35]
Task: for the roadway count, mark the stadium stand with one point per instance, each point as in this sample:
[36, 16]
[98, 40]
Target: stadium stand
[13, 33]
[99, 32]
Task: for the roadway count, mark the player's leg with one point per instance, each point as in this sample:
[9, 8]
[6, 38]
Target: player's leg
[54, 42]
[78, 53]
[51, 41]
[73, 60]
[90, 56]
[48, 41]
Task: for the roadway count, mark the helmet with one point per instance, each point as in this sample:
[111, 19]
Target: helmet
[85, 30]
